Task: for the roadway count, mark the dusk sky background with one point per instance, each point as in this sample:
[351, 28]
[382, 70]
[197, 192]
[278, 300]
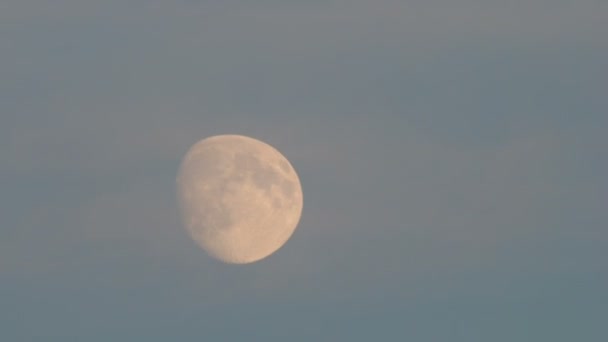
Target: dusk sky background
[452, 155]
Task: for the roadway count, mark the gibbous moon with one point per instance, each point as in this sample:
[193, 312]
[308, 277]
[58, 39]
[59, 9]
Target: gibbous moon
[240, 198]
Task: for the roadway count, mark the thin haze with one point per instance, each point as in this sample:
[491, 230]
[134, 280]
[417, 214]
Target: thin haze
[452, 157]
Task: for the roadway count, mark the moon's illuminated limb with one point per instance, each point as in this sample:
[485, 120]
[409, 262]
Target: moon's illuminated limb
[240, 198]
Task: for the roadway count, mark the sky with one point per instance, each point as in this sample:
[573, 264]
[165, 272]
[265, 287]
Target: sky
[451, 153]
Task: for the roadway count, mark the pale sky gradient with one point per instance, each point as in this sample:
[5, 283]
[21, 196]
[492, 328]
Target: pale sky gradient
[452, 157]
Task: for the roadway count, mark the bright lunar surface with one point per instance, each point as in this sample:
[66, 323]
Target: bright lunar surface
[240, 198]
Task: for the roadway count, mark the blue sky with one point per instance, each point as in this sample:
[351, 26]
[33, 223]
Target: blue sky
[452, 157]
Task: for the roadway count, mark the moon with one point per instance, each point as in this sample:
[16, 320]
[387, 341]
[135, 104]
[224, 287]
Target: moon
[240, 199]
